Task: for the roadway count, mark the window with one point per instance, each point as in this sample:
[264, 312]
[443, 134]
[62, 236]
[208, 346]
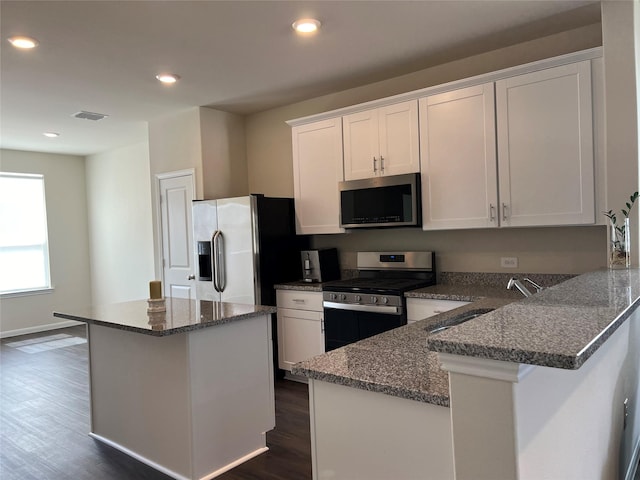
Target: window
[24, 248]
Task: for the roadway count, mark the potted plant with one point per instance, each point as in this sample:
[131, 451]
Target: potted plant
[619, 241]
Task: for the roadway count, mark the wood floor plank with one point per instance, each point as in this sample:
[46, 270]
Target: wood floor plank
[44, 423]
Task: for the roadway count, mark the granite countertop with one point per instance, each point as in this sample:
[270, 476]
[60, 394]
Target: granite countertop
[463, 293]
[300, 286]
[560, 327]
[396, 362]
[181, 315]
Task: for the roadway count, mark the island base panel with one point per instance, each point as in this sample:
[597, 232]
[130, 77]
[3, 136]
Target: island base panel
[192, 405]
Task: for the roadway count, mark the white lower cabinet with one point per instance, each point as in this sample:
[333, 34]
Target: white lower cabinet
[300, 326]
[419, 308]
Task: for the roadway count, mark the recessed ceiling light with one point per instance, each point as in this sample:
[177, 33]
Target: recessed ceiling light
[23, 42]
[306, 25]
[168, 77]
[51, 134]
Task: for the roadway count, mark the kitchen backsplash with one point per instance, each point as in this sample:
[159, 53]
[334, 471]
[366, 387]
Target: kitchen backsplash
[499, 279]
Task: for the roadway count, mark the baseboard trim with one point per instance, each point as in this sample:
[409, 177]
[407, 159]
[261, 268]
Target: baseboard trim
[633, 464]
[39, 328]
[171, 473]
[138, 457]
[235, 463]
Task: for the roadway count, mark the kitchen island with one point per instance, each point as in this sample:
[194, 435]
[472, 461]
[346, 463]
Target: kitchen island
[188, 391]
[534, 389]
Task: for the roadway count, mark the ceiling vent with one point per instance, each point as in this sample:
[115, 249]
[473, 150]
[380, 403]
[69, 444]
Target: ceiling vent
[89, 115]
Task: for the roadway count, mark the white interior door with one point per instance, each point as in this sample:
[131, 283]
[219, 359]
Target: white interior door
[176, 194]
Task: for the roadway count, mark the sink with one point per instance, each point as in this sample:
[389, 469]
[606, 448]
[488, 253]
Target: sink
[457, 320]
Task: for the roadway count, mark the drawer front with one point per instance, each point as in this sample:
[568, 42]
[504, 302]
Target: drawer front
[299, 300]
[418, 308]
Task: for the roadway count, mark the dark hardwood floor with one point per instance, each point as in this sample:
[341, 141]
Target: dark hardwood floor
[44, 423]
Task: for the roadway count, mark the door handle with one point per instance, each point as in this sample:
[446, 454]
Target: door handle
[191, 277]
[214, 263]
[492, 212]
[374, 165]
[220, 276]
[381, 164]
[504, 211]
[215, 260]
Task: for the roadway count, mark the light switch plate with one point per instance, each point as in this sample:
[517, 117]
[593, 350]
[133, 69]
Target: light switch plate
[509, 262]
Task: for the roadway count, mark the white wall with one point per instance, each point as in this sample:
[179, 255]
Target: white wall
[120, 224]
[209, 141]
[64, 177]
[224, 156]
[621, 111]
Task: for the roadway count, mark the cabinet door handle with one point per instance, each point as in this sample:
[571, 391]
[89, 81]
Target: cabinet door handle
[504, 211]
[438, 311]
[381, 164]
[298, 300]
[322, 326]
[492, 212]
[374, 165]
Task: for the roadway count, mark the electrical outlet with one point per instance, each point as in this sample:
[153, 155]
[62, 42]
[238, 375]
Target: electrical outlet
[509, 262]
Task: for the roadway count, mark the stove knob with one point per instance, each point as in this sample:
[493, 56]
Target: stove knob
[374, 299]
[343, 297]
[385, 300]
[332, 296]
[358, 298]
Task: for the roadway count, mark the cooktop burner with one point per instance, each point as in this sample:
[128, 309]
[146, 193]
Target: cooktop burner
[377, 285]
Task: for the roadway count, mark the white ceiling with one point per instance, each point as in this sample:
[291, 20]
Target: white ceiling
[239, 56]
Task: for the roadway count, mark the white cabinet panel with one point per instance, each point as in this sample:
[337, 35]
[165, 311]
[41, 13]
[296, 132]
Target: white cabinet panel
[399, 138]
[382, 141]
[361, 150]
[317, 170]
[458, 161]
[420, 308]
[300, 336]
[299, 300]
[545, 147]
[542, 130]
[301, 328]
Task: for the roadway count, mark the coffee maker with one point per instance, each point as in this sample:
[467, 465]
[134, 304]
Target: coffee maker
[320, 265]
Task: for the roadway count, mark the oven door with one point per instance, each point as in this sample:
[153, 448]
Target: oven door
[346, 323]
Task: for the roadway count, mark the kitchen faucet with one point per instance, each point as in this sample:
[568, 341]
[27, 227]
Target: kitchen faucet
[514, 282]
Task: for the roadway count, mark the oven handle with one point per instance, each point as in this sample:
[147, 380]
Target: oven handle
[364, 308]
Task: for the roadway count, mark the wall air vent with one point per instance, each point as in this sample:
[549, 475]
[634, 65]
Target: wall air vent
[89, 115]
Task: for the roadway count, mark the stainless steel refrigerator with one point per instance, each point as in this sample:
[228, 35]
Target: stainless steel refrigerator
[244, 246]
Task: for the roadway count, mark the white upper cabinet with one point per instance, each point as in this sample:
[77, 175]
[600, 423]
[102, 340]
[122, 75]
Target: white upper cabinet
[525, 161]
[458, 159]
[317, 169]
[545, 147]
[382, 141]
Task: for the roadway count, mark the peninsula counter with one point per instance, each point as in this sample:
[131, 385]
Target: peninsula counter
[188, 391]
[543, 387]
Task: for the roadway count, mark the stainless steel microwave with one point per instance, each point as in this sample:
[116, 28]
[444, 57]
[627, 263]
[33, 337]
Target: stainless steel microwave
[392, 201]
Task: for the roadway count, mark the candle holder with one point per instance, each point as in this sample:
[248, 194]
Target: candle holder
[156, 305]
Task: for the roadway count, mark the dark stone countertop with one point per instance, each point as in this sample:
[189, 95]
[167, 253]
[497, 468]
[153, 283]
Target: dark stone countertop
[560, 327]
[181, 315]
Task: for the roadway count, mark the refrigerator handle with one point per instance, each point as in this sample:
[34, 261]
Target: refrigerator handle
[214, 259]
[222, 280]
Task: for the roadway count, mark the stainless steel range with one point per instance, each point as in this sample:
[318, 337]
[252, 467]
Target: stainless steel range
[374, 302]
